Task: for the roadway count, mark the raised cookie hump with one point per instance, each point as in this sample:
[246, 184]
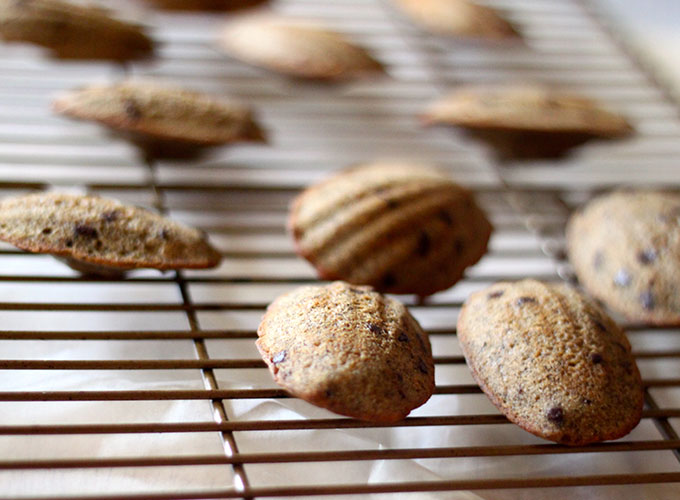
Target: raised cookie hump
[102, 232]
[525, 107]
[73, 31]
[399, 227]
[162, 112]
[552, 361]
[625, 249]
[458, 18]
[295, 47]
[348, 349]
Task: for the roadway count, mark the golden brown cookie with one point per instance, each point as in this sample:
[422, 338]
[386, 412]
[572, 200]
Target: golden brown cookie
[552, 361]
[401, 228]
[348, 349]
[526, 121]
[216, 5]
[458, 18]
[625, 249]
[101, 236]
[71, 30]
[296, 48]
[163, 120]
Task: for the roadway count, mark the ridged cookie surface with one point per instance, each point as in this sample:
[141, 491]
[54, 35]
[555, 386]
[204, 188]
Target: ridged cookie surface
[552, 361]
[348, 349]
[526, 121]
[101, 232]
[162, 113]
[625, 249]
[296, 48]
[400, 228]
[459, 18]
[72, 31]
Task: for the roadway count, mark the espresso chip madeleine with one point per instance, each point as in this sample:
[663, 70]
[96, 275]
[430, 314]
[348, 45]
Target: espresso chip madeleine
[296, 48]
[162, 119]
[552, 361]
[348, 349]
[526, 121]
[625, 249]
[458, 18]
[400, 228]
[101, 236]
[72, 30]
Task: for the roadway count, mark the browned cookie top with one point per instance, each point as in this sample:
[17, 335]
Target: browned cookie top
[459, 18]
[102, 232]
[295, 47]
[348, 349]
[525, 107]
[625, 249]
[161, 112]
[552, 361]
[71, 30]
[400, 228]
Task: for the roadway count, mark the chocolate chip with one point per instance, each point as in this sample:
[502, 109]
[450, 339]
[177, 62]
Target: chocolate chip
[523, 300]
[647, 300]
[132, 111]
[646, 256]
[596, 358]
[622, 278]
[587, 401]
[279, 357]
[110, 216]
[392, 203]
[424, 244]
[446, 217]
[459, 245]
[599, 325]
[69, 243]
[329, 393]
[598, 261]
[388, 281]
[378, 330]
[422, 366]
[47, 230]
[555, 414]
[495, 295]
[85, 230]
[402, 337]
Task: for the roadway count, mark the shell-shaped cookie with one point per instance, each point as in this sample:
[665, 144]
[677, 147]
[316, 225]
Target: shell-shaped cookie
[296, 48]
[552, 361]
[73, 31]
[458, 18]
[99, 235]
[625, 249]
[348, 349]
[400, 228]
[162, 113]
[526, 121]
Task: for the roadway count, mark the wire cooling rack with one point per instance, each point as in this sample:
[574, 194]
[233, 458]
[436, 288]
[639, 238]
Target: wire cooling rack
[151, 387]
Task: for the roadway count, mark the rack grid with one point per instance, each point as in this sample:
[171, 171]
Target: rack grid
[151, 387]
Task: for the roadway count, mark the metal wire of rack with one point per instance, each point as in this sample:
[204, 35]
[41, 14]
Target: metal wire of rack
[151, 387]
